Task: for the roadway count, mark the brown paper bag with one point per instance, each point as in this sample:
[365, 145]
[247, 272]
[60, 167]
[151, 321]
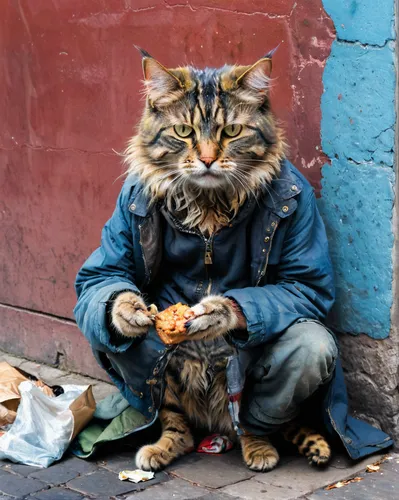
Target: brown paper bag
[10, 378]
[7, 416]
[82, 409]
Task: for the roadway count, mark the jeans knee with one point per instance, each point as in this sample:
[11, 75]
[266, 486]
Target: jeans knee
[316, 350]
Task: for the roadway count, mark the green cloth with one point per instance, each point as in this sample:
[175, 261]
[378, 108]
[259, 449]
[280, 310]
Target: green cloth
[113, 419]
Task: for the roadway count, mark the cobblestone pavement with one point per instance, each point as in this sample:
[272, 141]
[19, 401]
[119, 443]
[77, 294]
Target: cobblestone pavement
[195, 476]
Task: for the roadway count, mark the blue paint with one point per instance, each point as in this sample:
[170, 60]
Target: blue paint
[356, 206]
[357, 128]
[365, 21]
[359, 102]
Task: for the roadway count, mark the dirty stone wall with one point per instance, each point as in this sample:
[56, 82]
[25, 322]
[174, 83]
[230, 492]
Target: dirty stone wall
[358, 193]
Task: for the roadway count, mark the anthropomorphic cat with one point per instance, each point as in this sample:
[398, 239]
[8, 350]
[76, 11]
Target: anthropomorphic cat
[213, 215]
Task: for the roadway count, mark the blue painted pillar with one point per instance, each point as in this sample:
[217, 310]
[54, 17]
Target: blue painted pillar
[358, 135]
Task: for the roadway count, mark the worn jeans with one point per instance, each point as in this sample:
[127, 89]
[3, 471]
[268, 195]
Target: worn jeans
[287, 372]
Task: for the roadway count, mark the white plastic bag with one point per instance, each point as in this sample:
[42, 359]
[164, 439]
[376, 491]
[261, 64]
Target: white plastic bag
[43, 427]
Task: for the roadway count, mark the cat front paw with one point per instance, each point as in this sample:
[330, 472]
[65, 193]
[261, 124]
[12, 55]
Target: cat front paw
[153, 458]
[213, 316]
[130, 316]
[258, 453]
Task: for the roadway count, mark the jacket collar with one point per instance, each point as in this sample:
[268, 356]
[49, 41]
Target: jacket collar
[282, 189]
[139, 203]
[279, 194]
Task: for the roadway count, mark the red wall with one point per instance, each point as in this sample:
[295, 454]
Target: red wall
[69, 98]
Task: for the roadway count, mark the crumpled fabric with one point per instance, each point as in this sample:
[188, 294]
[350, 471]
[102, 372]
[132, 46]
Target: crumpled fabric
[215, 444]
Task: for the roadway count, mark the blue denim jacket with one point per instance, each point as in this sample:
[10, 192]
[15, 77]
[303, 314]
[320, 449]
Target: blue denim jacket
[291, 279]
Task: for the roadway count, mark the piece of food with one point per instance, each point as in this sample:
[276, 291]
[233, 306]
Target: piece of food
[135, 476]
[170, 324]
[373, 468]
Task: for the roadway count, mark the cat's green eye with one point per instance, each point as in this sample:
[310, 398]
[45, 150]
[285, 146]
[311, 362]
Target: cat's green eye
[232, 130]
[183, 130]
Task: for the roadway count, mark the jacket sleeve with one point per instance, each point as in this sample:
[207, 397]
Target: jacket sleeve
[109, 269]
[304, 287]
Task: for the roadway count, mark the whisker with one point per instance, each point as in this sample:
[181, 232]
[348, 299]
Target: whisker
[245, 185]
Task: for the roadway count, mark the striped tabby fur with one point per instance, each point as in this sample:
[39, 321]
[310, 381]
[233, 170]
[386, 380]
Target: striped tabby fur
[207, 141]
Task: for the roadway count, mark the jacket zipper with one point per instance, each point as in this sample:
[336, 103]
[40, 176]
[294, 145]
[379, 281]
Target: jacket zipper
[208, 261]
[208, 251]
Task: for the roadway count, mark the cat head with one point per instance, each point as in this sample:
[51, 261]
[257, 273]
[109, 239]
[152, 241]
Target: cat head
[206, 130]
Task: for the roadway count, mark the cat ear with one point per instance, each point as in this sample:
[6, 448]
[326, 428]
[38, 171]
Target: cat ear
[162, 86]
[257, 76]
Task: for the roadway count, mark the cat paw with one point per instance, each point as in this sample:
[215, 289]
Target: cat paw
[213, 316]
[153, 458]
[310, 443]
[130, 316]
[260, 462]
[318, 452]
[259, 454]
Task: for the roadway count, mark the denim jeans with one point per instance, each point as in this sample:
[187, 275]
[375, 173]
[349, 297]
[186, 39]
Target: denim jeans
[286, 373]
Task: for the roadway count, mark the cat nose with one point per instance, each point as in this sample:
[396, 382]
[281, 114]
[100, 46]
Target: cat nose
[208, 152]
[208, 160]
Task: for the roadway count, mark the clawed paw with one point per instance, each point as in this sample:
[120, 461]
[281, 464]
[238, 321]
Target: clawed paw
[319, 454]
[130, 315]
[213, 316]
[262, 462]
[258, 453]
[153, 458]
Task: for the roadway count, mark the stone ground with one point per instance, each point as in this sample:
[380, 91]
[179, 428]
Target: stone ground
[196, 476]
